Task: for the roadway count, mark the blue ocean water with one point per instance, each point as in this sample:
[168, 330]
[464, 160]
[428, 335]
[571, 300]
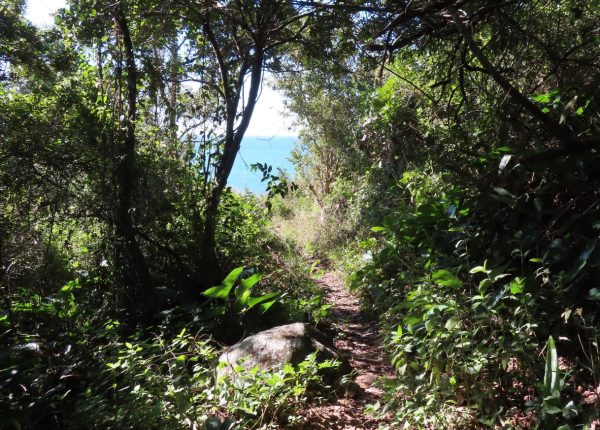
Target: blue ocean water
[274, 151]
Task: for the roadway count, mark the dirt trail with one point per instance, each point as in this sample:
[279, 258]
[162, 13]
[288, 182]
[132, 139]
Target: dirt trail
[358, 339]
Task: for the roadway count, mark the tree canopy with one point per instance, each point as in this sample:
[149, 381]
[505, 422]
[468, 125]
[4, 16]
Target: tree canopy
[446, 166]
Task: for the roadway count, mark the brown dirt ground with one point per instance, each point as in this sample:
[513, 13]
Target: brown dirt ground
[357, 338]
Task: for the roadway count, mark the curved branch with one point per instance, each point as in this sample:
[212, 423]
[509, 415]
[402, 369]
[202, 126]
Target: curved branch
[557, 130]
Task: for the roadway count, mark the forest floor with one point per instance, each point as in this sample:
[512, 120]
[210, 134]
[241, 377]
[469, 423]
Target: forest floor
[357, 338]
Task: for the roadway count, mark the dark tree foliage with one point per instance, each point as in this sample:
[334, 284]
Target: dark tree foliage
[451, 149]
[480, 138]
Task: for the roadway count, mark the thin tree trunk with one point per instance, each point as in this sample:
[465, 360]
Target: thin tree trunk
[233, 139]
[137, 280]
[173, 87]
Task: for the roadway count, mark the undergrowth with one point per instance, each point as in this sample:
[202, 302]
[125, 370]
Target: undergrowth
[466, 325]
[64, 368]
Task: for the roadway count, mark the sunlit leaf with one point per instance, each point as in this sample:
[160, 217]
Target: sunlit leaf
[446, 279]
[222, 291]
[256, 300]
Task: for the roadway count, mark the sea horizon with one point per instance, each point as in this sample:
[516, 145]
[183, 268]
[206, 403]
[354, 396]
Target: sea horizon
[273, 150]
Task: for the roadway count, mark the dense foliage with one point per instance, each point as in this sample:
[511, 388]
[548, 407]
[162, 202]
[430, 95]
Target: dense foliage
[115, 148]
[471, 152]
[448, 163]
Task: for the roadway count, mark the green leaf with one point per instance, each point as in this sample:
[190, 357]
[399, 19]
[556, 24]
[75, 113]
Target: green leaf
[484, 284]
[243, 291]
[503, 192]
[233, 276]
[516, 286]
[541, 98]
[256, 300]
[445, 278]
[222, 291]
[594, 294]
[413, 319]
[252, 280]
[503, 149]
[451, 324]
[264, 307]
[552, 373]
[478, 269]
[70, 286]
[218, 292]
[570, 411]
[377, 229]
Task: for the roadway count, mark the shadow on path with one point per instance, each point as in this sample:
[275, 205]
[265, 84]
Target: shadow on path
[358, 339]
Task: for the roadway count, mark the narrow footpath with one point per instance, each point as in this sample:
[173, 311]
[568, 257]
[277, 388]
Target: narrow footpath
[358, 340]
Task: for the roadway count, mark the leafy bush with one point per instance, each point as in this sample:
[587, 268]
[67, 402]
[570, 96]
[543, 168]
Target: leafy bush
[465, 337]
[263, 397]
[170, 383]
[93, 378]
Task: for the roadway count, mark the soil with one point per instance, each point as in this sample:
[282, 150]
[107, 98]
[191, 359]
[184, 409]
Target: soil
[357, 338]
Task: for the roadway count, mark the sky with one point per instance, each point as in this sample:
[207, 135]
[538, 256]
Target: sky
[268, 120]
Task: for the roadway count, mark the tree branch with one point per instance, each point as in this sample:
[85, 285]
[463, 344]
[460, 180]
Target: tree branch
[557, 130]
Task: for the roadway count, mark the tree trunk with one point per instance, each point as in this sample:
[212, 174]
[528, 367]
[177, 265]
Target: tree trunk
[212, 272]
[137, 279]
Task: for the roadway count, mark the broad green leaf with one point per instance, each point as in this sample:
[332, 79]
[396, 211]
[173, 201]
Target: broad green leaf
[243, 298]
[218, 292]
[264, 307]
[377, 229]
[484, 284]
[503, 149]
[256, 300]
[500, 276]
[252, 280]
[222, 291]
[503, 192]
[413, 319]
[233, 276]
[542, 98]
[243, 291]
[594, 294]
[446, 279]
